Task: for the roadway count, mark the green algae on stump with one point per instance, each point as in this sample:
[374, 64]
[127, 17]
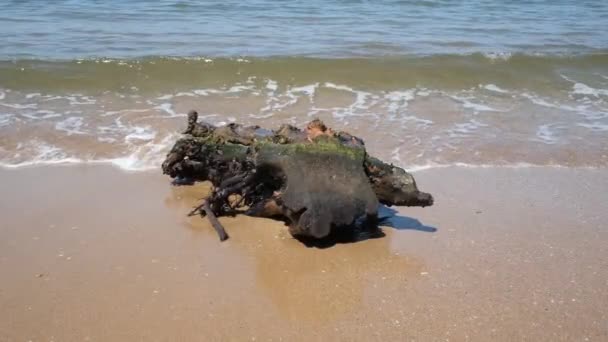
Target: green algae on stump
[318, 181]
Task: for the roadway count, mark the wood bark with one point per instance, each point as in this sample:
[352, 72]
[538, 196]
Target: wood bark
[317, 180]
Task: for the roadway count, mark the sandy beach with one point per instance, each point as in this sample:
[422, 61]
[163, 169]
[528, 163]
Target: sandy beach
[92, 253]
[498, 108]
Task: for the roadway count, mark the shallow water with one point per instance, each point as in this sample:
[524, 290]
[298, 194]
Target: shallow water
[425, 83]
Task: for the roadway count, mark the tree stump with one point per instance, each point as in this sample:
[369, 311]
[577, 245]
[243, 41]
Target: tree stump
[317, 180]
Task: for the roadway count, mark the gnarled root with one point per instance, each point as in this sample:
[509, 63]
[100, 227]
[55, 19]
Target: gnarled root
[319, 181]
[221, 232]
[217, 204]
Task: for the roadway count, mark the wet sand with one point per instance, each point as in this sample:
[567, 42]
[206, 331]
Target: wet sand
[91, 253]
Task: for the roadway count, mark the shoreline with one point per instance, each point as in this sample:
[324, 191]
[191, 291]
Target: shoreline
[148, 170]
[91, 251]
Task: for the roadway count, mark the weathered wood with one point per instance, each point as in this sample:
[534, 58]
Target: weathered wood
[221, 232]
[317, 180]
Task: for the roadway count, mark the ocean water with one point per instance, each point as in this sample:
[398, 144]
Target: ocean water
[424, 83]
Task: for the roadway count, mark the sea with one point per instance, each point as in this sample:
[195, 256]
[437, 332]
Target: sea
[426, 83]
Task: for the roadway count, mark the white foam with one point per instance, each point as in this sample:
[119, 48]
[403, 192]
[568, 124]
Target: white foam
[539, 101]
[71, 125]
[261, 116]
[399, 100]
[141, 133]
[420, 122]
[272, 85]
[122, 111]
[81, 100]
[595, 126]
[131, 133]
[462, 130]
[399, 96]
[203, 92]
[289, 98]
[494, 88]
[545, 135]
[585, 109]
[32, 95]
[53, 98]
[476, 107]
[141, 158]
[2, 95]
[423, 92]
[19, 106]
[361, 100]
[49, 152]
[358, 108]
[495, 56]
[73, 99]
[360, 96]
[165, 97]
[395, 154]
[145, 157]
[238, 88]
[307, 89]
[43, 153]
[168, 108]
[5, 119]
[338, 87]
[592, 114]
[40, 115]
[583, 89]
[183, 93]
[106, 139]
[190, 58]
[274, 104]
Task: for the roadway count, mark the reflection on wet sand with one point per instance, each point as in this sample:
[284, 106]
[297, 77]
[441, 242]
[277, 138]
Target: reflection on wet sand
[321, 284]
[305, 283]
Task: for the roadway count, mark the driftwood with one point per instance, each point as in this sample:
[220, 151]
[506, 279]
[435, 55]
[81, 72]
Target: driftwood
[317, 180]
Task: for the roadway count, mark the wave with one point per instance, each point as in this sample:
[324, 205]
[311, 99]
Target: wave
[153, 73]
[144, 157]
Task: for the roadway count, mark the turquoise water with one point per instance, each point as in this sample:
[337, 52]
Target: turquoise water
[69, 29]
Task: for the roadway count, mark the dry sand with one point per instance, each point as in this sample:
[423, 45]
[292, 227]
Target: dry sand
[90, 253]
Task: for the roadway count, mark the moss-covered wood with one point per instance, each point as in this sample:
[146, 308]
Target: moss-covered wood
[317, 180]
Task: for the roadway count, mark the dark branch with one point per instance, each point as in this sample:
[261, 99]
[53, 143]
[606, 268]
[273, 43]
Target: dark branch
[221, 232]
